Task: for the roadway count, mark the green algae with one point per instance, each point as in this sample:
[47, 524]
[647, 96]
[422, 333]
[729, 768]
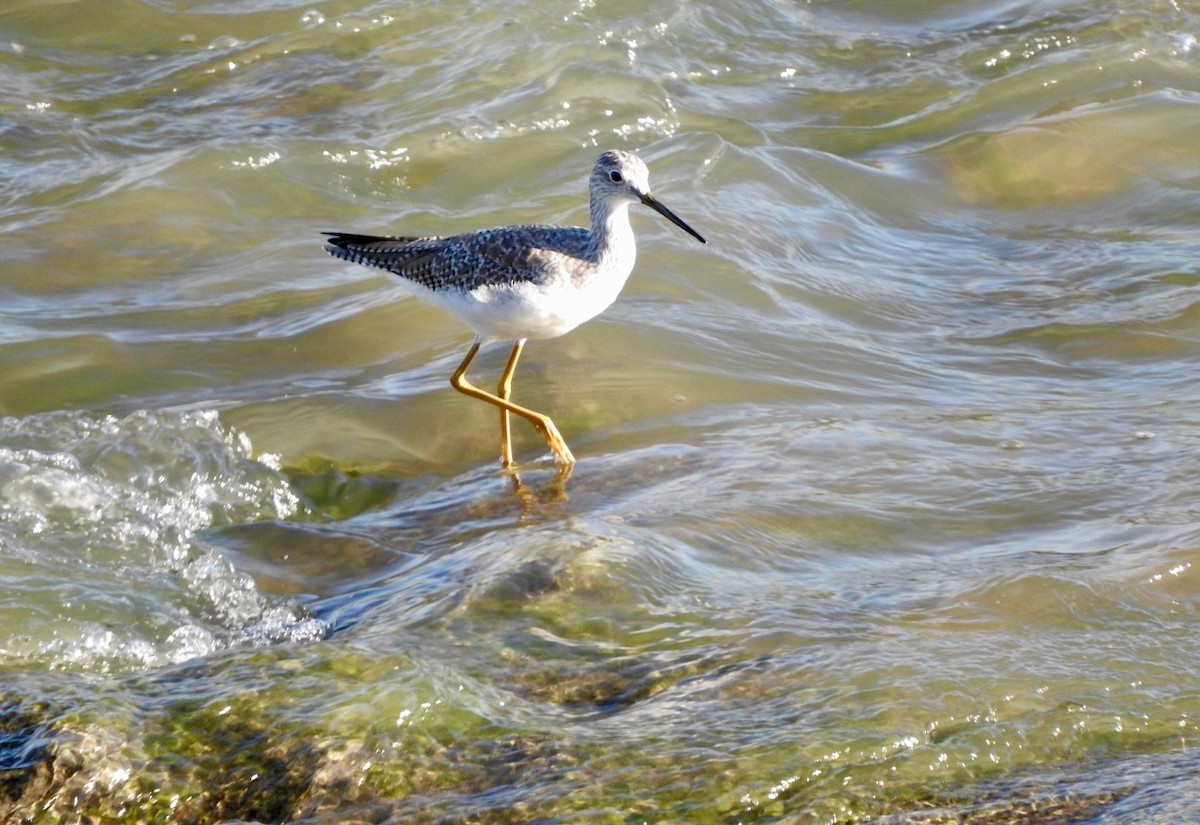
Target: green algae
[400, 743]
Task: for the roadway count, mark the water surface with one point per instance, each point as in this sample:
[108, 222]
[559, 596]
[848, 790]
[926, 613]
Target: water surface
[885, 507]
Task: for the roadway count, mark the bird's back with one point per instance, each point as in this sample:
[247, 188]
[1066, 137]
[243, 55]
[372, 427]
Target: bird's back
[489, 257]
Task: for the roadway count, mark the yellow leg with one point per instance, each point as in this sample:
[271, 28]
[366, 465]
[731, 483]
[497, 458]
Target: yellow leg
[540, 422]
[503, 391]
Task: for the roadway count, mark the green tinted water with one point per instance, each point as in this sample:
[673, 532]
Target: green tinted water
[885, 501]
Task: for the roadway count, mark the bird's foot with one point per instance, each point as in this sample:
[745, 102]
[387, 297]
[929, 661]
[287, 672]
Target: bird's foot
[558, 446]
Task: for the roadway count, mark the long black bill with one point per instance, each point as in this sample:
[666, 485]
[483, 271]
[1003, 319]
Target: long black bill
[653, 203]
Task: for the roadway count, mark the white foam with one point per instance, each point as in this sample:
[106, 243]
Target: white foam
[101, 560]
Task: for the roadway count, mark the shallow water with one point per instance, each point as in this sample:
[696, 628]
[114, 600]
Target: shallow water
[885, 504]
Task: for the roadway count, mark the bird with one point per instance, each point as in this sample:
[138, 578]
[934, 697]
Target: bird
[516, 283]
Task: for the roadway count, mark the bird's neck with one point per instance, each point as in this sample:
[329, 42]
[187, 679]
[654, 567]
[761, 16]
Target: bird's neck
[612, 236]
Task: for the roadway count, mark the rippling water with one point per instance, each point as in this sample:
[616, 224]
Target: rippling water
[885, 507]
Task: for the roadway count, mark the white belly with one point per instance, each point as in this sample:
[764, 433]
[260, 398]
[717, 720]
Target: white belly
[531, 311]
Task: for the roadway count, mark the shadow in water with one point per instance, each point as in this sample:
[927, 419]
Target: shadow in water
[374, 540]
[419, 546]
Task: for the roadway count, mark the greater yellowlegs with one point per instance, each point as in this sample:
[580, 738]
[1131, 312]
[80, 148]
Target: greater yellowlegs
[513, 283]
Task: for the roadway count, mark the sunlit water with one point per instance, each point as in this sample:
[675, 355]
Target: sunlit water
[885, 505]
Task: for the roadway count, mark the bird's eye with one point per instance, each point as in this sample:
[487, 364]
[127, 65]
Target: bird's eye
[615, 176]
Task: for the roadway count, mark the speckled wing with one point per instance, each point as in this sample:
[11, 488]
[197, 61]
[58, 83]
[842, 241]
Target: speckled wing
[465, 262]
